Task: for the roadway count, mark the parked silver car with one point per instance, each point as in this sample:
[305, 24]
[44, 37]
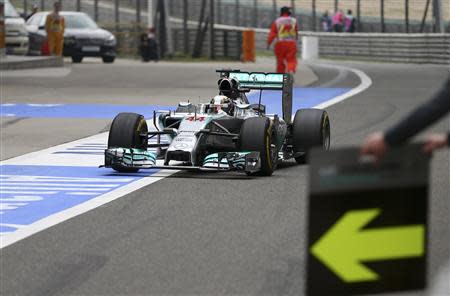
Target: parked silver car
[16, 35]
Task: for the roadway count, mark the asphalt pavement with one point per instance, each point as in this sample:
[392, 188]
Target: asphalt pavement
[200, 234]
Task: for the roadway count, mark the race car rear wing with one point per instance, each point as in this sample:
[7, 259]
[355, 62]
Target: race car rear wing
[266, 81]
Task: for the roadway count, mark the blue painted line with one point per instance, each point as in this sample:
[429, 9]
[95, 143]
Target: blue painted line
[29, 193]
[76, 110]
[303, 97]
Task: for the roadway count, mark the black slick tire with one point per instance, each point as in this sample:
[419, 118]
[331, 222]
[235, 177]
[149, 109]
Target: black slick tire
[125, 132]
[258, 135]
[311, 128]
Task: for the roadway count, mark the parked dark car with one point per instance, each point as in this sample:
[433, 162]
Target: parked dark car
[82, 37]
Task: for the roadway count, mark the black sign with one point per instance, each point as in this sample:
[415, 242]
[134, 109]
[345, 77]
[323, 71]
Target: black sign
[367, 222]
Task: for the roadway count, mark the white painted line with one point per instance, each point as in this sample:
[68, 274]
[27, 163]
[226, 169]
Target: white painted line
[47, 157]
[366, 82]
[6, 240]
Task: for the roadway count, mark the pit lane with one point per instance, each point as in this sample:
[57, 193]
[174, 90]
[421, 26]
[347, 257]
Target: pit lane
[208, 233]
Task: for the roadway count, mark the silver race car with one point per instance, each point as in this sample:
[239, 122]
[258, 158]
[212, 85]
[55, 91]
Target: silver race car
[226, 134]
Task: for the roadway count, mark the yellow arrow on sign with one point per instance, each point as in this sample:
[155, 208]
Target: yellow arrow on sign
[345, 245]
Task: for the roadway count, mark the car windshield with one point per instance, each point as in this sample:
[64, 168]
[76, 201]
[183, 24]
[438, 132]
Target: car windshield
[10, 11]
[79, 21]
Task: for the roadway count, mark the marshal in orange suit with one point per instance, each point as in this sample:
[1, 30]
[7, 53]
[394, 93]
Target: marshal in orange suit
[285, 31]
[55, 26]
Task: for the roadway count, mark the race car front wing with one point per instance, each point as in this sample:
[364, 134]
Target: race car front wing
[248, 162]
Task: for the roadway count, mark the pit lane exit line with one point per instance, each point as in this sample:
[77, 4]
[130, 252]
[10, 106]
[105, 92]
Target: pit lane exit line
[64, 165]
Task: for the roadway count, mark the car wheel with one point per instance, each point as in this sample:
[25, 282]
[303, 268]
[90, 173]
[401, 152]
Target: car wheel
[311, 128]
[257, 134]
[108, 59]
[77, 59]
[126, 132]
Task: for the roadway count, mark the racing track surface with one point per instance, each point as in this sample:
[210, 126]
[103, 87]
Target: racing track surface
[213, 234]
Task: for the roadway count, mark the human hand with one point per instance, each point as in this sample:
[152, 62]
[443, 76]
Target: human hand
[375, 145]
[434, 142]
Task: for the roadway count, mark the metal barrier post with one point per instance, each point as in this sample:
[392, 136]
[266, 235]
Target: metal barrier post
[96, 10]
[255, 13]
[336, 5]
[25, 7]
[383, 29]
[407, 16]
[425, 13]
[236, 13]
[116, 14]
[219, 12]
[138, 12]
[42, 5]
[293, 7]
[78, 5]
[439, 26]
[358, 14]
[185, 27]
[212, 35]
[274, 8]
[2, 30]
[313, 15]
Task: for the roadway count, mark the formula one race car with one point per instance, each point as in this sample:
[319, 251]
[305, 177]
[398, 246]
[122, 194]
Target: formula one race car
[226, 134]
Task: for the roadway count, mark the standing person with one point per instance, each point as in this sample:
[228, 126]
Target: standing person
[325, 21]
[54, 26]
[350, 22]
[285, 30]
[378, 143]
[34, 9]
[338, 21]
[149, 46]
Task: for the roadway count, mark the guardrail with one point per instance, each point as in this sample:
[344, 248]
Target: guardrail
[403, 48]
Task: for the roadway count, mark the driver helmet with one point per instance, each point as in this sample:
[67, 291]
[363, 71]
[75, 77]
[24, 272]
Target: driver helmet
[221, 103]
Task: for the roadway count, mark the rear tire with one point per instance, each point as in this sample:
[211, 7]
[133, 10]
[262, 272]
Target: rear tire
[311, 128]
[257, 134]
[125, 132]
[77, 59]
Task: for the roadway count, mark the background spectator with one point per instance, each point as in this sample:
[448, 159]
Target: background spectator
[338, 21]
[325, 22]
[350, 22]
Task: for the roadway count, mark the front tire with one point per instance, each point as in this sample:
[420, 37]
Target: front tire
[311, 128]
[108, 59]
[77, 59]
[257, 134]
[126, 132]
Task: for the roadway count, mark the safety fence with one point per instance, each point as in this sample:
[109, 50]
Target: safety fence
[405, 48]
[227, 43]
[391, 16]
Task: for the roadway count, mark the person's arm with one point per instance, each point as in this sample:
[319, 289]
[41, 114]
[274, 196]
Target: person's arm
[421, 118]
[63, 25]
[296, 30]
[272, 35]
